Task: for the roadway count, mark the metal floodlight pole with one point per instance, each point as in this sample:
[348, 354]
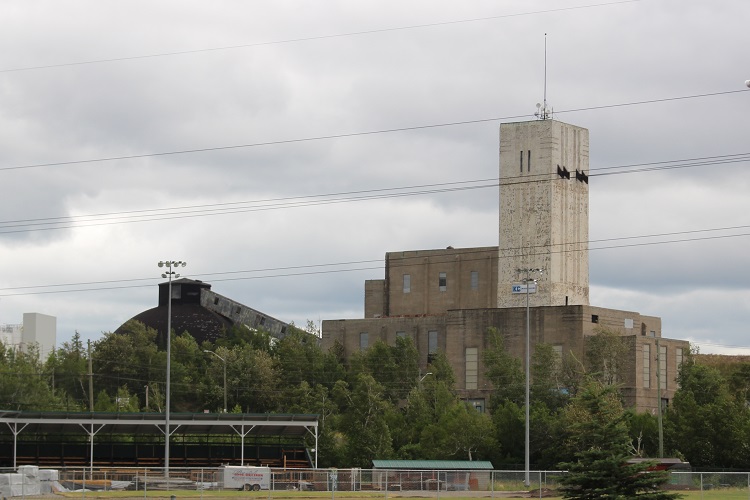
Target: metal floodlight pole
[169, 264]
[225, 376]
[527, 441]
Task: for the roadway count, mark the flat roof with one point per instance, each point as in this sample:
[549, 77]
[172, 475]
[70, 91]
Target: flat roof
[251, 424]
[92, 423]
[433, 464]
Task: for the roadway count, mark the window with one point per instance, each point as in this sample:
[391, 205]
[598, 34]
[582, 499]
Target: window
[407, 283]
[475, 280]
[595, 318]
[652, 333]
[478, 404]
[663, 367]
[432, 342]
[646, 366]
[363, 340]
[237, 310]
[176, 291]
[471, 367]
[443, 281]
[628, 323]
[216, 300]
[400, 335]
[678, 359]
[521, 156]
[528, 163]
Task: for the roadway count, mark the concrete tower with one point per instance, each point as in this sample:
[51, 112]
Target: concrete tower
[544, 212]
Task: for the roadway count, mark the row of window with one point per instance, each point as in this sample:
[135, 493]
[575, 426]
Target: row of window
[662, 365]
[443, 281]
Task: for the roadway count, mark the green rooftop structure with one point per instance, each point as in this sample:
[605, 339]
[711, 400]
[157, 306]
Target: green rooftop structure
[447, 475]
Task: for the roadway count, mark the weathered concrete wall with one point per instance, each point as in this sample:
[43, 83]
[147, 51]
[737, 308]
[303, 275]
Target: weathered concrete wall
[543, 217]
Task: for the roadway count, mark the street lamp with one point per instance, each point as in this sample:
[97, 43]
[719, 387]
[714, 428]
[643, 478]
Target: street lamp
[169, 273]
[528, 280]
[225, 376]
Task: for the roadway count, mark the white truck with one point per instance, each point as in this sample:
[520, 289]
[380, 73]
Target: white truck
[245, 478]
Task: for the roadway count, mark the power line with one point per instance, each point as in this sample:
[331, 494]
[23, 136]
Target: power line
[281, 199]
[227, 208]
[303, 270]
[312, 38]
[260, 205]
[353, 134]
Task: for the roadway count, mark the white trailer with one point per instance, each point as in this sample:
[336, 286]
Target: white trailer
[245, 478]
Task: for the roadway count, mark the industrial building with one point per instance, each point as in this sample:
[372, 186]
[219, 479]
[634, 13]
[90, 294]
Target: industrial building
[203, 313]
[37, 329]
[448, 299]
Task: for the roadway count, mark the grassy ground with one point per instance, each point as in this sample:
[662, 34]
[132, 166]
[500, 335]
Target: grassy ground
[721, 494]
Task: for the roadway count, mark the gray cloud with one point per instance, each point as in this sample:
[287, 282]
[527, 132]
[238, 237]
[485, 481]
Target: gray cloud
[466, 71]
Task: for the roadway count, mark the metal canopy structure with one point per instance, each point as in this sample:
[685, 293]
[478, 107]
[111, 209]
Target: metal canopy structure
[242, 424]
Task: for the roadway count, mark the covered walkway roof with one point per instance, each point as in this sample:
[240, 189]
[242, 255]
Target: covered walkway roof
[91, 423]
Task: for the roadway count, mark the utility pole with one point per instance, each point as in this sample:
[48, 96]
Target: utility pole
[91, 380]
[658, 397]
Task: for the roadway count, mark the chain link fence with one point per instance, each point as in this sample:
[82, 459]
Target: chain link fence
[32, 481]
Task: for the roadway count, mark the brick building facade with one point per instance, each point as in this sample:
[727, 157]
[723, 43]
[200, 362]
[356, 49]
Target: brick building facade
[447, 300]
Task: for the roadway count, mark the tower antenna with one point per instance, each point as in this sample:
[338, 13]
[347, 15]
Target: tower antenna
[544, 112]
[545, 73]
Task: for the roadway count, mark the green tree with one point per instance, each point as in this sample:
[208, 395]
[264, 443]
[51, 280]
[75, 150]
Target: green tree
[546, 378]
[509, 421]
[606, 354]
[23, 384]
[122, 402]
[187, 356]
[256, 379]
[395, 367]
[503, 370]
[317, 400]
[739, 381]
[644, 433]
[240, 335]
[461, 433]
[365, 422]
[706, 422]
[300, 358]
[599, 441]
[67, 369]
[128, 358]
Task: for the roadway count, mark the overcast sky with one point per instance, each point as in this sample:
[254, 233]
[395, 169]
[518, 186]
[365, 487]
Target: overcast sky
[115, 82]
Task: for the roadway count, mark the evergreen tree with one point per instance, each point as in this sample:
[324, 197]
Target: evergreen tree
[598, 438]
